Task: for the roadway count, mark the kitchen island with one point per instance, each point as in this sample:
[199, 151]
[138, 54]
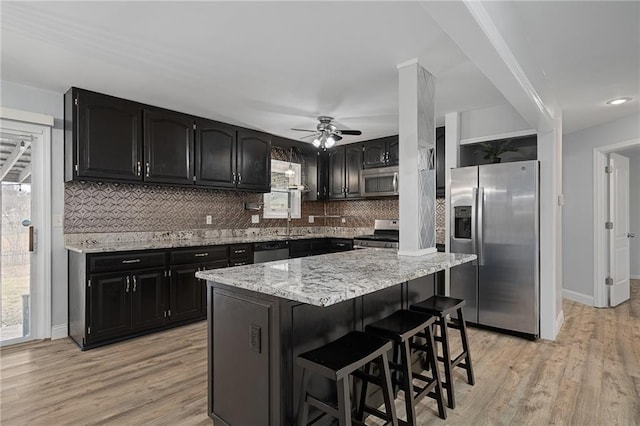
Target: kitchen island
[260, 317]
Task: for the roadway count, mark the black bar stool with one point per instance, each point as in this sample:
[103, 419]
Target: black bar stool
[336, 361]
[401, 327]
[440, 307]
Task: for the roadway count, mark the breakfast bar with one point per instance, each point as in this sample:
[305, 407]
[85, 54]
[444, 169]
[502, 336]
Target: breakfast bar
[261, 316]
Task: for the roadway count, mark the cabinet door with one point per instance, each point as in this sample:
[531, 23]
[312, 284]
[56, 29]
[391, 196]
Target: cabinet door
[109, 306]
[336, 173]
[215, 154]
[109, 137]
[374, 153]
[253, 161]
[352, 170]
[168, 147]
[185, 293]
[393, 151]
[147, 299]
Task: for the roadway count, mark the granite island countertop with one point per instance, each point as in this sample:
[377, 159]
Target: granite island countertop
[328, 279]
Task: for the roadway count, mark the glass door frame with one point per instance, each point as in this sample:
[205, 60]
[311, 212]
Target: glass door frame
[40, 287]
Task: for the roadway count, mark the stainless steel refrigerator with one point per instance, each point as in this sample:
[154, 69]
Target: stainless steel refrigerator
[495, 214]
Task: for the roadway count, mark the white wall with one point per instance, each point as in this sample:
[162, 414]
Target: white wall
[491, 123]
[30, 99]
[578, 212]
[634, 207]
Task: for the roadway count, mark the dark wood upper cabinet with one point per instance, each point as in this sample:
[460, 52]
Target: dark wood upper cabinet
[106, 137]
[215, 154]
[345, 163]
[336, 164]
[116, 140]
[375, 154]
[353, 165]
[381, 152]
[393, 151]
[168, 147]
[253, 161]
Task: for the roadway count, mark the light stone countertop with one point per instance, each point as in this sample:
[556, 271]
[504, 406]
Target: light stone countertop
[328, 279]
[149, 244]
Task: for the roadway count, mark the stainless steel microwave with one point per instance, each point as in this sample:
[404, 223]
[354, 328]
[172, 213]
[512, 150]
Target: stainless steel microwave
[380, 182]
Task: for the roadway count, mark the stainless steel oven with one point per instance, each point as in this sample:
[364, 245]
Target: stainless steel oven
[379, 182]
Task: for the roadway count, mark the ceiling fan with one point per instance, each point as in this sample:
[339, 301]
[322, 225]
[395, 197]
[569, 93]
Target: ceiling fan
[326, 133]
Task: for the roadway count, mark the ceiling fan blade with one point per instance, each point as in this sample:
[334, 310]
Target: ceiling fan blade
[304, 130]
[351, 132]
[307, 136]
[336, 137]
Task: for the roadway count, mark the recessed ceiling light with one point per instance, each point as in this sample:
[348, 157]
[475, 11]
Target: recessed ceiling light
[618, 101]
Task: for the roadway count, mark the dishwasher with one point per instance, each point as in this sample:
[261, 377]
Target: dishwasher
[269, 251]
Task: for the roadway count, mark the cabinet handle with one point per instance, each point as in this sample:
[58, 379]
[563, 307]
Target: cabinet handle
[139, 168]
[239, 178]
[234, 178]
[126, 290]
[135, 282]
[340, 244]
[383, 157]
[131, 261]
[395, 182]
[239, 251]
[147, 166]
[239, 263]
[201, 254]
[386, 156]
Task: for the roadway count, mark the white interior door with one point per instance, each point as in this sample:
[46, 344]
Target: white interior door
[619, 245]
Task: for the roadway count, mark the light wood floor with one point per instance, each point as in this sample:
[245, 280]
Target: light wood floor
[589, 376]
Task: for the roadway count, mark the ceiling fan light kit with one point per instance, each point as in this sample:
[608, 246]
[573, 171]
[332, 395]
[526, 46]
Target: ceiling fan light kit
[326, 133]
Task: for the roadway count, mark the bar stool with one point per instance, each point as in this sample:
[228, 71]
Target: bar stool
[336, 361]
[401, 327]
[440, 307]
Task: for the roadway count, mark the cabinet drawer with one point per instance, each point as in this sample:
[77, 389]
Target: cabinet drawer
[320, 245]
[125, 261]
[241, 251]
[340, 245]
[199, 255]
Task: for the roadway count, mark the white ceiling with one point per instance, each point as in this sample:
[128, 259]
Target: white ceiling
[278, 65]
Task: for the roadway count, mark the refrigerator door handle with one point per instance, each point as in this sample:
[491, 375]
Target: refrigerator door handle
[474, 213]
[479, 224]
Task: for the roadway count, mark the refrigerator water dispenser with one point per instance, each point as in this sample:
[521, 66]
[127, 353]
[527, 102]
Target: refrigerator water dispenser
[462, 222]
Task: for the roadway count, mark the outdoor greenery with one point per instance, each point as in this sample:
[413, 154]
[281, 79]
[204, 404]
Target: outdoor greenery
[14, 255]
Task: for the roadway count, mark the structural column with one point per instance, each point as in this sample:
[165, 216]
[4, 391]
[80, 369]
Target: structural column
[417, 159]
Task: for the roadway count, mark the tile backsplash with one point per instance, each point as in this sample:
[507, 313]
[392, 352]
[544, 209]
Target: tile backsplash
[109, 207]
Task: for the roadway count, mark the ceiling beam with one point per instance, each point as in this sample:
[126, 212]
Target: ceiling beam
[24, 173]
[472, 28]
[13, 158]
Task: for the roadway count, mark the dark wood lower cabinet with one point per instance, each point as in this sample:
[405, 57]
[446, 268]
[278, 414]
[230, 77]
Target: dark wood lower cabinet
[109, 307]
[125, 303]
[148, 300]
[185, 293]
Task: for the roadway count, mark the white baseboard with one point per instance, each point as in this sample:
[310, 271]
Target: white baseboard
[634, 277]
[559, 322]
[577, 297]
[59, 331]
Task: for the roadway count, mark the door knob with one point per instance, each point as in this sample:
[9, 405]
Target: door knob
[631, 235]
